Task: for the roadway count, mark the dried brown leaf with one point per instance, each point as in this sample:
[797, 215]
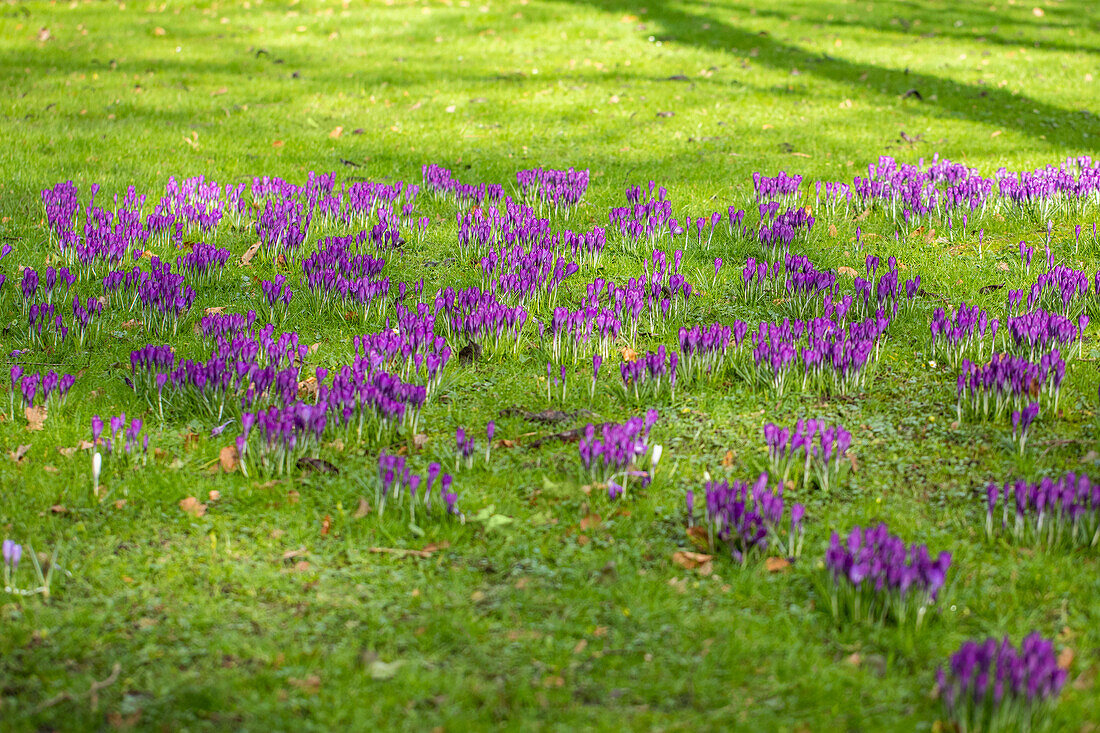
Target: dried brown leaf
[229, 459]
[776, 564]
[36, 416]
[691, 560]
[363, 510]
[250, 253]
[193, 506]
[20, 451]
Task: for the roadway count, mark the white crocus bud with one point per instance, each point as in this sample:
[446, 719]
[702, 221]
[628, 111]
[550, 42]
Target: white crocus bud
[97, 466]
[655, 457]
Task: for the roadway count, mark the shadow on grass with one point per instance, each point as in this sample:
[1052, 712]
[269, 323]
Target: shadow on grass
[1076, 130]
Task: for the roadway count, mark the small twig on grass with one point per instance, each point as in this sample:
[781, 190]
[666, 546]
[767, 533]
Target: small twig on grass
[92, 693]
[400, 552]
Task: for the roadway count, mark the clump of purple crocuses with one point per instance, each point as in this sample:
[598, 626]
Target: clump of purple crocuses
[1051, 512]
[814, 451]
[464, 448]
[991, 685]
[748, 521]
[277, 297]
[32, 387]
[121, 441]
[396, 483]
[874, 576]
[610, 453]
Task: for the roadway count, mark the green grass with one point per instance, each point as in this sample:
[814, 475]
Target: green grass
[538, 623]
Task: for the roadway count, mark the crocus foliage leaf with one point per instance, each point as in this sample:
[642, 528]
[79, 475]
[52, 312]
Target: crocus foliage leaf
[36, 417]
[776, 564]
[20, 451]
[229, 459]
[193, 506]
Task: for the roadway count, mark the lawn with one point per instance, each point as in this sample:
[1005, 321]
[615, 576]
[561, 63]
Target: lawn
[196, 587]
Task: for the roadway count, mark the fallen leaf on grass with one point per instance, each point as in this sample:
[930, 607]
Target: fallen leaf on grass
[58, 509]
[776, 564]
[848, 271]
[215, 310]
[420, 440]
[20, 451]
[307, 388]
[193, 506]
[214, 495]
[310, 685]
[363, 510]
[629, 354]
[49, 469]
[36, 416]
[229, 459]
[380, 670]
[853, 659]
[727, 460]
[990, 288]
[316, 464]
[699, 536]
[1065, 658]
[592, 520]
[336, 132]
[291, 554]
[326, 525]
[832, 230]
[250, 253]
[691, 560]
